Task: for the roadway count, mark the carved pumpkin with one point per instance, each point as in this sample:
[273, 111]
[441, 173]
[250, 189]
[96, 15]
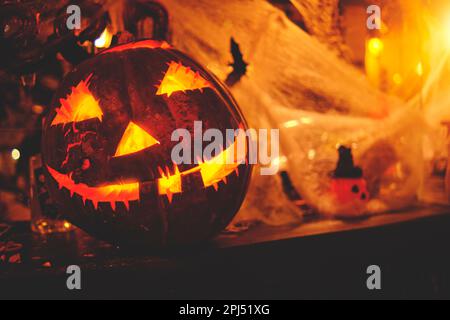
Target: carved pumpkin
[107, 148]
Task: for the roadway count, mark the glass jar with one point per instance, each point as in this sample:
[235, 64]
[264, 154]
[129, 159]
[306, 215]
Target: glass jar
[45, 217]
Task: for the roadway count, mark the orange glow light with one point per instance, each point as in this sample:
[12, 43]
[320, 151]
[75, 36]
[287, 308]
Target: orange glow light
[181, 78]
[79, 106]
[398, 79]
[170, 184]
[105, 39]
[375, 46]
[113, 193]
[134, 140]
[419, 69]
[213, 171]
[147, 44]
[15, 154]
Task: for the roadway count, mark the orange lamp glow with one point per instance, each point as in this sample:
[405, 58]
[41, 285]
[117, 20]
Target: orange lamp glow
[181, 78]
[79, 106]
[134, 140]
[213, 171]
[375, 46]
[419, 69]
[397, 78]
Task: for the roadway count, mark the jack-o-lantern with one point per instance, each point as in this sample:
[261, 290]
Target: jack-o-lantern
[107, 148]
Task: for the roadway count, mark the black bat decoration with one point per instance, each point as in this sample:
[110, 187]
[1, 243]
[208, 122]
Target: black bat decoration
[239, 65]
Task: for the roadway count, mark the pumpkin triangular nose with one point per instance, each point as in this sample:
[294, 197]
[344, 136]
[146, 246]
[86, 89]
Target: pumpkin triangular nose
[134, 140]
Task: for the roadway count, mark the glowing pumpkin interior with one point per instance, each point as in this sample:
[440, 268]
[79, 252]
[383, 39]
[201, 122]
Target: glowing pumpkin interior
[80, 105]
[134, 140]
[180, 78]
[107, 148]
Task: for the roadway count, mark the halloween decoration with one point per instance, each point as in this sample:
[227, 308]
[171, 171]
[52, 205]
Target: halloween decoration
[107, 146]
[348, 185]
[239, 65]
[317, 100]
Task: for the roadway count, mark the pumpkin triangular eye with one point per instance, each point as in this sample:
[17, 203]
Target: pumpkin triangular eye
[181, 78]
[80, 105]
[134, 140]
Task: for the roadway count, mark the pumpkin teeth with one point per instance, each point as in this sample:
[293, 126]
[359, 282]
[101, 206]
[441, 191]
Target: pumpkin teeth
[106, 194]
[169, 183]
[169, 196]
[213, 171]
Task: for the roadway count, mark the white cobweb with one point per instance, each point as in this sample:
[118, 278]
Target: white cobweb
[318, 101]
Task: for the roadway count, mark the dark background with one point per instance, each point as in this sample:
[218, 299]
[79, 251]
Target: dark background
[263, 263]
[413, 257]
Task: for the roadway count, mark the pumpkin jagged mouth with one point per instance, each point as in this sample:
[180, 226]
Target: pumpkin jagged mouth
[124, 193]
[212, 172]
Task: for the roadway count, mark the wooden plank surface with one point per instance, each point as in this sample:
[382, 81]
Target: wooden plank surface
[316, 227]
